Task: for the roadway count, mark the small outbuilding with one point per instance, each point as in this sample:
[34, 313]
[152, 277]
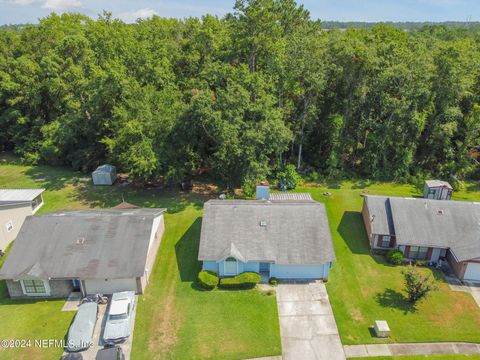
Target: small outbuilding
[437, 190]
[104, 175]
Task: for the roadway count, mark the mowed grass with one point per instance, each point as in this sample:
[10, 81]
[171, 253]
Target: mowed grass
[174, 318]
[363, 288]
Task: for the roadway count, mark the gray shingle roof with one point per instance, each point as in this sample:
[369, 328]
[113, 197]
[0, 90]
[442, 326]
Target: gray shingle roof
[430, 223]
[438, 223]
[380, 215]
[91, 244]
[438, 183]
[19, 195]
[295, 232]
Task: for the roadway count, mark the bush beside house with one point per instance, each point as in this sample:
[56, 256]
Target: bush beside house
[208, 279]
[395, 257]
[246, 280]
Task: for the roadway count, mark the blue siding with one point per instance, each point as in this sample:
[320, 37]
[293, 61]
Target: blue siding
[252, 266]
[314, 271]
[210, 265]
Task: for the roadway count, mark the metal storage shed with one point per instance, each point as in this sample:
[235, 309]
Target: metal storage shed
[104, 175]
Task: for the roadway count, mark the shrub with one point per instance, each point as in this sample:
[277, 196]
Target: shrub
[268, 293]
[417, 285]
[288, 178]
[273, 281]
[395, 257]
[208, 279]
[246, 280]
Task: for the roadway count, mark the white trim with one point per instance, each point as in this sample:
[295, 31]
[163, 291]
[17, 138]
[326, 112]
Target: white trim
[45, 284]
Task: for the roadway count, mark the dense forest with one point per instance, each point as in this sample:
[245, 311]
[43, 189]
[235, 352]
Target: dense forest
[242, 97]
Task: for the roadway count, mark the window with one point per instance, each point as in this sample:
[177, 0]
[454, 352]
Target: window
[418, 252]
[34, 287]
[386, 241]
[9, 226]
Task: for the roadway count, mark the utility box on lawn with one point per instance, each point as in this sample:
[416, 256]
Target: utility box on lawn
[381, 329]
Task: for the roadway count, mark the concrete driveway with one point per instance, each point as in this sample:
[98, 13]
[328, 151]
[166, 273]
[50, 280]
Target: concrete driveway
[307, 326]
[98, 343]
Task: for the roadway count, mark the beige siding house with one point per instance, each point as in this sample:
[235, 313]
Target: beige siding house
[15, 206]
[90, 251]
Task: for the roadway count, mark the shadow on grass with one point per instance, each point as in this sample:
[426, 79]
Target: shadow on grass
[109, 196]
[54, 178]
[186, 251]
[352, 231]
[393, 299]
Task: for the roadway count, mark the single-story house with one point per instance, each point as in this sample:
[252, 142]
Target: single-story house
[437, 189]
[104, 175]
[285, 239]
[91, 251]
[426, 229]
[15, 206]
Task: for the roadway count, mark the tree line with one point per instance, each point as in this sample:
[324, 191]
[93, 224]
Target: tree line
[241, 97]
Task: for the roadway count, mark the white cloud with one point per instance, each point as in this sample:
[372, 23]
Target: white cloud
[61, 5]
[132, 16]
[22, 2]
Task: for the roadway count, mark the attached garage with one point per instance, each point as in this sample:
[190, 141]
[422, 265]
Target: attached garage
[316, 271]
[110, 286]
[472, 272]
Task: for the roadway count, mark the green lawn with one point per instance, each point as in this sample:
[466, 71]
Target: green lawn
[174, 319]
[363, 288]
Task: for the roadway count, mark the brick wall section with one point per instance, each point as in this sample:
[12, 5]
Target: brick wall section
[58, 289]
[152, 254]
[457, 267]
[367, 222]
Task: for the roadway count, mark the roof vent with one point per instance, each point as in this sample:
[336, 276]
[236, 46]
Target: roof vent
[80, 240]
[440, 212]
[263, 223]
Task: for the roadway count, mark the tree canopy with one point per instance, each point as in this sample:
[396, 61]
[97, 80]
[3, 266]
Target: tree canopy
[242, 96]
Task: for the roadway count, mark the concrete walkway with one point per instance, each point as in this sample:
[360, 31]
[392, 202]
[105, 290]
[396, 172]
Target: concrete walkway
[410, 349]
[307, 326]
[471, 287]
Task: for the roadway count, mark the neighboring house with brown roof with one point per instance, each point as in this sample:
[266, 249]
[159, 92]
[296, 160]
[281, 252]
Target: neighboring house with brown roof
[15, 206]
[286, 239]
[427, 229]
[92, 251]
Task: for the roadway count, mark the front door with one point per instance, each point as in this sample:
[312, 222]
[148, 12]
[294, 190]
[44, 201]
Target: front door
[76, 285]
[231, 266]
[265, 268]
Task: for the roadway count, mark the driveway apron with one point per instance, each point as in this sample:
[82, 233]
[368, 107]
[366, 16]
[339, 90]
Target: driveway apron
[307, 326]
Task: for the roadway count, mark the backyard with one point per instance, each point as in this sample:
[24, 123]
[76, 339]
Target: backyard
[177, 320]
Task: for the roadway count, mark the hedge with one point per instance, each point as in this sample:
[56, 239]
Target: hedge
[395, 257]
[208, 279]
[246, 280]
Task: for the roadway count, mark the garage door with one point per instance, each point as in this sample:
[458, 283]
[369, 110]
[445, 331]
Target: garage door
[297, 271]
[110, 286]
[472, 272]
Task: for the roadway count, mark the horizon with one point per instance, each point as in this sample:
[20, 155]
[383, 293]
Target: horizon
[368, 11]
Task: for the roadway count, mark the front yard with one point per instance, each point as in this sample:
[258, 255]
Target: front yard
[174, 318]
[363, 288]
[177, 320]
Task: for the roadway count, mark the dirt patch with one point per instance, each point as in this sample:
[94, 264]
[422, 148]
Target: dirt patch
[357, 315]
[165, 325]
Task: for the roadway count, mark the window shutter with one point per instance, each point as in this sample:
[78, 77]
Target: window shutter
[379, 241]
[429, 253]
[392, 241]
[407, 251]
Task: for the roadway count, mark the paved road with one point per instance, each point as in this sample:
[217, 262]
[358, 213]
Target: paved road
[398, 349]
[307, 326]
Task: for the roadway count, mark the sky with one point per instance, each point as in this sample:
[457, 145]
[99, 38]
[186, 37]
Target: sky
[29, 11]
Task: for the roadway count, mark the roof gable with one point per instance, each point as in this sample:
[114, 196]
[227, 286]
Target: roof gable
[286, 232]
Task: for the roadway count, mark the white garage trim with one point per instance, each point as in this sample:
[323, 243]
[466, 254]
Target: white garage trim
[312, 271]
[472, 272]
[110, 286]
